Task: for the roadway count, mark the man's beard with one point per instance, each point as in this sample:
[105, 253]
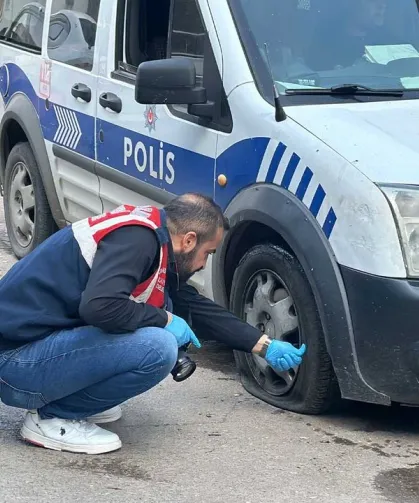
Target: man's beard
[184, 263]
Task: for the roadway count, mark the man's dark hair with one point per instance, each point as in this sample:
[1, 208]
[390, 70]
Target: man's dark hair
[192, 212]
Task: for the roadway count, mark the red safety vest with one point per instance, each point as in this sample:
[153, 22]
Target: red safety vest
[90, 231]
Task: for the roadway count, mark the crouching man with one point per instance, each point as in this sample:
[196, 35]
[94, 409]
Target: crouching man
[87, 320]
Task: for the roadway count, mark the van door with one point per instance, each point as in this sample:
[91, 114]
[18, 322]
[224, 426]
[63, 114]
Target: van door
[68, 84]
[146, 154]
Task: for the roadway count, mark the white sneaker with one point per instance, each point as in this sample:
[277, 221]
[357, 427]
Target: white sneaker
[67, 435]
[106, 417]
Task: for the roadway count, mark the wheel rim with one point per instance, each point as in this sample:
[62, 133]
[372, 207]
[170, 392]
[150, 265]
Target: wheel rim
[268, 305]
[22, 205]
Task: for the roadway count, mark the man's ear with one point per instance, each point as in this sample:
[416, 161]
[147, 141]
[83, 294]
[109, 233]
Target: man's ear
[189, 242]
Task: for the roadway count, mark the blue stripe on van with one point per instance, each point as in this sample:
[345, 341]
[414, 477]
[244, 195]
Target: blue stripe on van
[304, 183]
[329, 223]
[317, 201]
[290, 171]
[276, 159]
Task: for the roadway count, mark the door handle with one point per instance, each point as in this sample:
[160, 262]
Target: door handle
[111, 101]
[82, 91]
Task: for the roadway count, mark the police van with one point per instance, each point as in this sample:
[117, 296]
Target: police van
[300, 118]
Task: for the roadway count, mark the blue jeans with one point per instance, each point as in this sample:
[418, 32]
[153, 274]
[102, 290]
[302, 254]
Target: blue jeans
[73, 374]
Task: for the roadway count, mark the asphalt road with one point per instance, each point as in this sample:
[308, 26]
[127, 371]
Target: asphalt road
[208, 441]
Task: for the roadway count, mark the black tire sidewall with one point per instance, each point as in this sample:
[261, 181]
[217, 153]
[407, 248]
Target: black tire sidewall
[303, 397]
[44, 222]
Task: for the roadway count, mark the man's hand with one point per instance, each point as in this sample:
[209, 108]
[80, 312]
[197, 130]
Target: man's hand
[280, 355]
[181, 330]
[283, 356]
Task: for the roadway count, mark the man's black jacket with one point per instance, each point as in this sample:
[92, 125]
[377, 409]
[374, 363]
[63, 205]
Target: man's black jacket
[128, 256]
[53, 289]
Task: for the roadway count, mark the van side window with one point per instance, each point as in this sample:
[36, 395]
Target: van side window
[148, 30]
[144, 32]
[188, 35]
[188, 38]
[72, 32]
[22, 24]
[143, 27]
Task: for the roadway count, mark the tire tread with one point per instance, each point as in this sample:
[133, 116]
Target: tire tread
[318, 398]
[44, 222]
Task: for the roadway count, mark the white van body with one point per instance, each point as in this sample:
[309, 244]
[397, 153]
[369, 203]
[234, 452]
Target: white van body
[334, 185]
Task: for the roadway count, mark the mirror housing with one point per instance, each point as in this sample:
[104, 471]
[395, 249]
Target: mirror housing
[168, 82]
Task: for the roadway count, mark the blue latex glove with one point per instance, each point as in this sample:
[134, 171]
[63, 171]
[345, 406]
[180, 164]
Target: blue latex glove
[283, 356]
[181, 330]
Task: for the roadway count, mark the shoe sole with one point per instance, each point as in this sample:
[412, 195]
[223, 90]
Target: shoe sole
[39, 440]
[105, 419]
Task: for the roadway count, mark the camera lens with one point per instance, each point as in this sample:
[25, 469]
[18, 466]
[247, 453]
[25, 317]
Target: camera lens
[184, 370]
[184, 367]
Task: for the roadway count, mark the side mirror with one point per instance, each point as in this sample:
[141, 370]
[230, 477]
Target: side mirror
[168, 82]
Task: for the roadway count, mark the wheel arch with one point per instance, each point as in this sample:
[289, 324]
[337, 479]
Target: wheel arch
[269, 213]
[20, 123]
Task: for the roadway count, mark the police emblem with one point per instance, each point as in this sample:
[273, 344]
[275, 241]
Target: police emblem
[150, 116]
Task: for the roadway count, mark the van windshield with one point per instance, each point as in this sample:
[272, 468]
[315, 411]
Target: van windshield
[327, 43]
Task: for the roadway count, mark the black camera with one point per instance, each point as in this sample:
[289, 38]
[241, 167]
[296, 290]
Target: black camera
[184, 367]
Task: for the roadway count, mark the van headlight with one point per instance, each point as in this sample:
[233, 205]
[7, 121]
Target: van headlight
[405, 204]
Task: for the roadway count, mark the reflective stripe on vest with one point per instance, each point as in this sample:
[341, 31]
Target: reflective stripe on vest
[90, 231]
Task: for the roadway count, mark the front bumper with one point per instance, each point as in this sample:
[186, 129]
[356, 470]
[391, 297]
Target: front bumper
[385, 318]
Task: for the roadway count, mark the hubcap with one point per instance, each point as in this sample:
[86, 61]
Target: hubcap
[22, 205]
[269, 307]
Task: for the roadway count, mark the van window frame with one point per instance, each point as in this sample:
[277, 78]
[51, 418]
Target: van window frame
[221, 96]
[128, 77]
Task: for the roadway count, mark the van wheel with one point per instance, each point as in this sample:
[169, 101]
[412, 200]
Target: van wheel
[271, 292]
[27, 213]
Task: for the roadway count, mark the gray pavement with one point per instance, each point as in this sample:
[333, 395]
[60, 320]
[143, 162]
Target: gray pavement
[208, 441]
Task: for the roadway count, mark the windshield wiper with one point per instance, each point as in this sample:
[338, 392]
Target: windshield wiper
[349, 89]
